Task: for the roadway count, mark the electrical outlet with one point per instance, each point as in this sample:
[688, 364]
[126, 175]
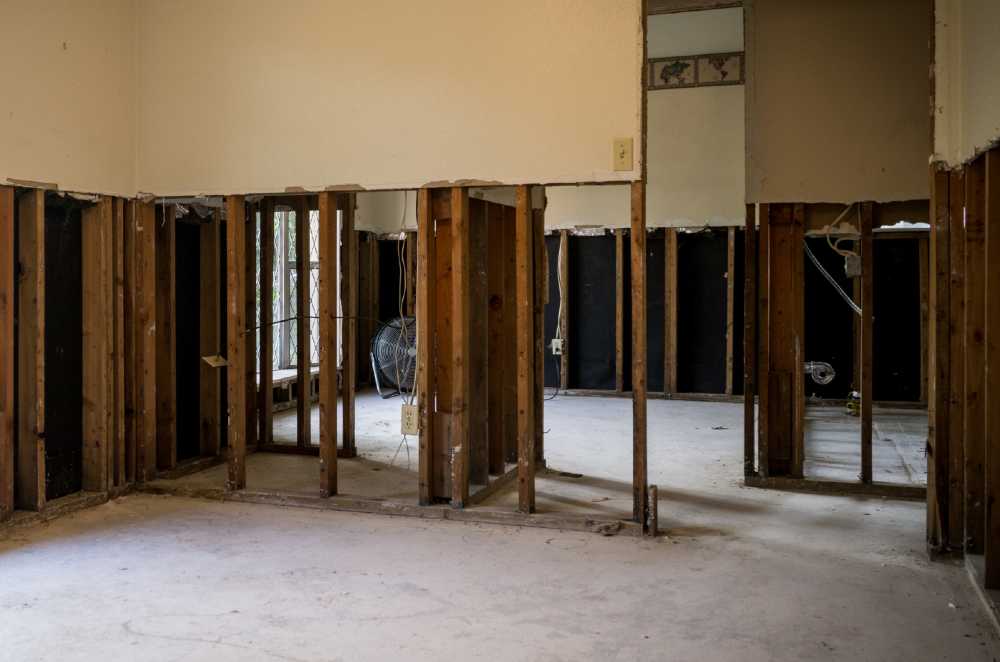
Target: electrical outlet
[623, 154]
[557, 347]
[409, 421]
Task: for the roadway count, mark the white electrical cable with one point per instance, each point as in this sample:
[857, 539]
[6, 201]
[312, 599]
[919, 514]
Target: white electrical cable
[831, 279]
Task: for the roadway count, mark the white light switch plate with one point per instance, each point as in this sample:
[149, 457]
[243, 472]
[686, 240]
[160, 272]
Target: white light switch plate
[409, 421]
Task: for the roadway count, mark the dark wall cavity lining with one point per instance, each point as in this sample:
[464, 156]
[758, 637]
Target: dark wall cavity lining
[63, 347]
[739, 287]
[896, 348]
[592, 312]
[388, 279]
[655, 293]
[223, 336]
[552, 311]
[188, 329]
[829, 321]
[701, 312]
[626, 305]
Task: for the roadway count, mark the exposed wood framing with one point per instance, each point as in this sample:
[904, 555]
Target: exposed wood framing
[749, 337]
[541, 289]
[236, 259]
[619, 310]
[974, 398]
[166, 338]
[349, 322]
[460, 346]
[98, 342]
[730, 306]
[131, 393]
[249, 363]
[938, 463]
[670, 312]
[510, 335]
[426, 360]
[118, 454]
[30, 489]
[497, 366]
[524, 253]
[991, 394]
[328, 271]
[478, 398]
[303, 312]
[210, 401]
[563, 321]
[763, 335]
[265, 396]
[444, 366]
[145, 339]
[8, 351]
[640, 485]
[962, 495]
[867, 338]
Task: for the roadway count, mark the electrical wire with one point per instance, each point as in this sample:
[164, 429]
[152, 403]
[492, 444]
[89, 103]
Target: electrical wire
[831, 279]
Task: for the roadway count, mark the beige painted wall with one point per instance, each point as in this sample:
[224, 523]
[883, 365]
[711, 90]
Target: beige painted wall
[66, 111]
[838, 100]
[254, 95]
[967, 88]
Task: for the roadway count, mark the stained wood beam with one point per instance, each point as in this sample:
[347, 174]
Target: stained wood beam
[460, 346]
[976, 404]
[328, 271]
[867, 337]
[524, 255]
[304, 350]
[349, 323]
[749, 337]
[670, 312]
[426, 314]
[564, 305]
[964, 495]
[118, 455]
[730, 307]
[8, 350]
[640, 483]
[236, 259]
[210, 401]
[510, 304]
[30, 489]
[166, 339]
[98, 339]
[130, 350]
[265, 396]
[763, 336]
[145, 339]
[992, 360]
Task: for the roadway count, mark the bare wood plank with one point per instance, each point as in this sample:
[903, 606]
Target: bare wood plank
[510, 335]
[541, 276]
[939, 364]
[564, 307]
[129, 347]
[478, 398]
[166, 339]
[444, 377]
[496, 361]
[265, 395]
[640, 484]
[867, 338]
[426, 314]
[249, 364]
[30, 488]
[118, 360]
[145, 339]
[670, 312]
[763, 338]
[303, 311]
[991, 393]
[730, 306]
[619, 310]
[328, 270]
[969, 534]
[210, 400]
[349, 323]
[976, 404]
[524, 252]
[236, 259]
[749, 337]
[97, 378]
[8, 351]
[460, 347]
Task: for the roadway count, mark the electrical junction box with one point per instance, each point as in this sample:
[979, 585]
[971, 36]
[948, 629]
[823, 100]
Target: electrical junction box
[852, 266]
[410, 424]
[557, 346]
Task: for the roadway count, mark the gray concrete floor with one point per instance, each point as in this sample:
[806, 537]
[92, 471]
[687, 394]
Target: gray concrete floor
[741, 574]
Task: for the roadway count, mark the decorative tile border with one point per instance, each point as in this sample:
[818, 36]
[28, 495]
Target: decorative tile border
[667, 73]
